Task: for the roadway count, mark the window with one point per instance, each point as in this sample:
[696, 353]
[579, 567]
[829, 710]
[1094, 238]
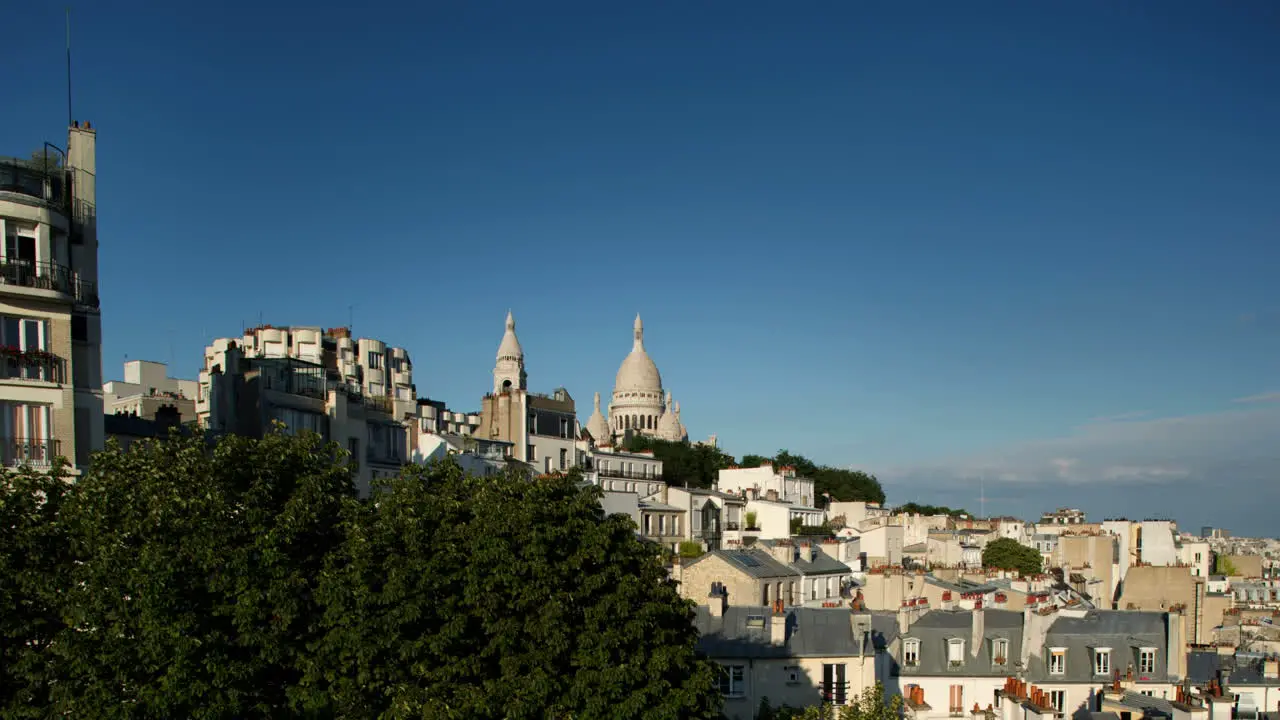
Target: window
[1000, 651]
[24, 339]
[955, 652]
[957, 700]
[375, 360]
[564, 427]
[756, 621]
[1148, 693]
[564, 458]
[1057, 698]
[911, 653]
[79, 328]
[833, 683]
[1057, 661]
[1147, 661]
[733, 680]
[25, 431]
[793, 673]
[1102, 661]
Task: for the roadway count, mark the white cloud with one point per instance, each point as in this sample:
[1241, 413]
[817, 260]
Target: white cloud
[1259, 398]
[1237, 447]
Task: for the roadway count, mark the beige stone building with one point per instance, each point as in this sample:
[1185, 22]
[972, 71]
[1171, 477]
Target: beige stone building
[358, 393]
[639, 404]
[791, 656]
[542, 428]
[146, 388]
[50, 326]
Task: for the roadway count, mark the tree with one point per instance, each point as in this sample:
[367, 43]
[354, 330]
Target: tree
[194, 591]
[918, 509]
[1224, 566]
[690, 549]
[500, 597]
[841, 484]
[872, 704]
[245, 579]
[682, 463]
[1009, 554]
[34, 557]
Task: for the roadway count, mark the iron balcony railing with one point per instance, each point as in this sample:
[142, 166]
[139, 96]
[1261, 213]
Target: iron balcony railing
[627, 475]
[835, 692]
[49, 276]
[16, 364]
[16, 451]
[33, 179]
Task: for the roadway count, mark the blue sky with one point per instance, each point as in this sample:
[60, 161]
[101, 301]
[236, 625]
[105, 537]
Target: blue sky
[1028, 241]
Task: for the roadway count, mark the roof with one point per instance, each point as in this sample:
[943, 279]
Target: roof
[822, 563]
[810, 632]
[936, 628]
[916, 548]
[756, 563]
[654, 505]
[1125, 632]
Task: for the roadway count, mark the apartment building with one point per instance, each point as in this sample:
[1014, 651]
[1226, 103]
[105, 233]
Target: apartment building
[984, 659]
[50, 326]
[789, 656]
[357, 392]
[146, 389]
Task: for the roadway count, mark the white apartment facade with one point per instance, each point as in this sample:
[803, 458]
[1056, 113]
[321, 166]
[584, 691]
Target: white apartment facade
[146, 388]
[357, 392]
[50, 323]
[779, 484]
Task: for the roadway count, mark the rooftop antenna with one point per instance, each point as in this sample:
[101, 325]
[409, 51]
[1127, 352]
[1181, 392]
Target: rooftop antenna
[351, 318]
[69, 115]
[982, 494]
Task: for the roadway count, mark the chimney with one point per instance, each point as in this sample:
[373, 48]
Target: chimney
[860, 623]
[778, 625]
[979, 618]
[783, 551]
[717, 600]
[904, 618]
[1176, 652]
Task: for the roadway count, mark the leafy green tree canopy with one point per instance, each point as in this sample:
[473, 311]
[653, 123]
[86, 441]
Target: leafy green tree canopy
[246, 580]
[919, 509]
[843, 485]
[695, 465]
[1009, 554]
[872, 704]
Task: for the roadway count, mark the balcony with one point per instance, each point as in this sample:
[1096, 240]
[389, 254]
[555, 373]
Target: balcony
[31, 179]
[627, 475]
[835, 692]
[49, 276]
[15, 452]
[38, 365]
[384, 456]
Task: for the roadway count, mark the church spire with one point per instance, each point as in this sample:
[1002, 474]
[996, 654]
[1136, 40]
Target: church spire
[508, 373]
[639, 332]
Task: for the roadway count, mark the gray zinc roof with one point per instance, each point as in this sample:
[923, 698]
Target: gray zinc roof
[936, 628]
[811, 632]
[1125, 632]
[756, 563]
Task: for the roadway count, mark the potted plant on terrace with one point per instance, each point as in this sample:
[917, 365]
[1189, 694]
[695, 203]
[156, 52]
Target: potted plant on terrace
[751, 521]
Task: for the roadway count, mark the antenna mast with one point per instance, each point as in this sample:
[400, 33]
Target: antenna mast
[69, 115]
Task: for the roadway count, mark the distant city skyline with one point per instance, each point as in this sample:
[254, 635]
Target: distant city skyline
[1033, 240]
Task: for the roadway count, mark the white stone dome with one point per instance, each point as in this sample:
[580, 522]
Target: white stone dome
[638, 373]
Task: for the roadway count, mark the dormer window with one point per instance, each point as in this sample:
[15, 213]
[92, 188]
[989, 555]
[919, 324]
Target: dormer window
[1057, 661]
[999, 651]
[1147, 660]
[1102, 661]
[911, 652]
[955, 652]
